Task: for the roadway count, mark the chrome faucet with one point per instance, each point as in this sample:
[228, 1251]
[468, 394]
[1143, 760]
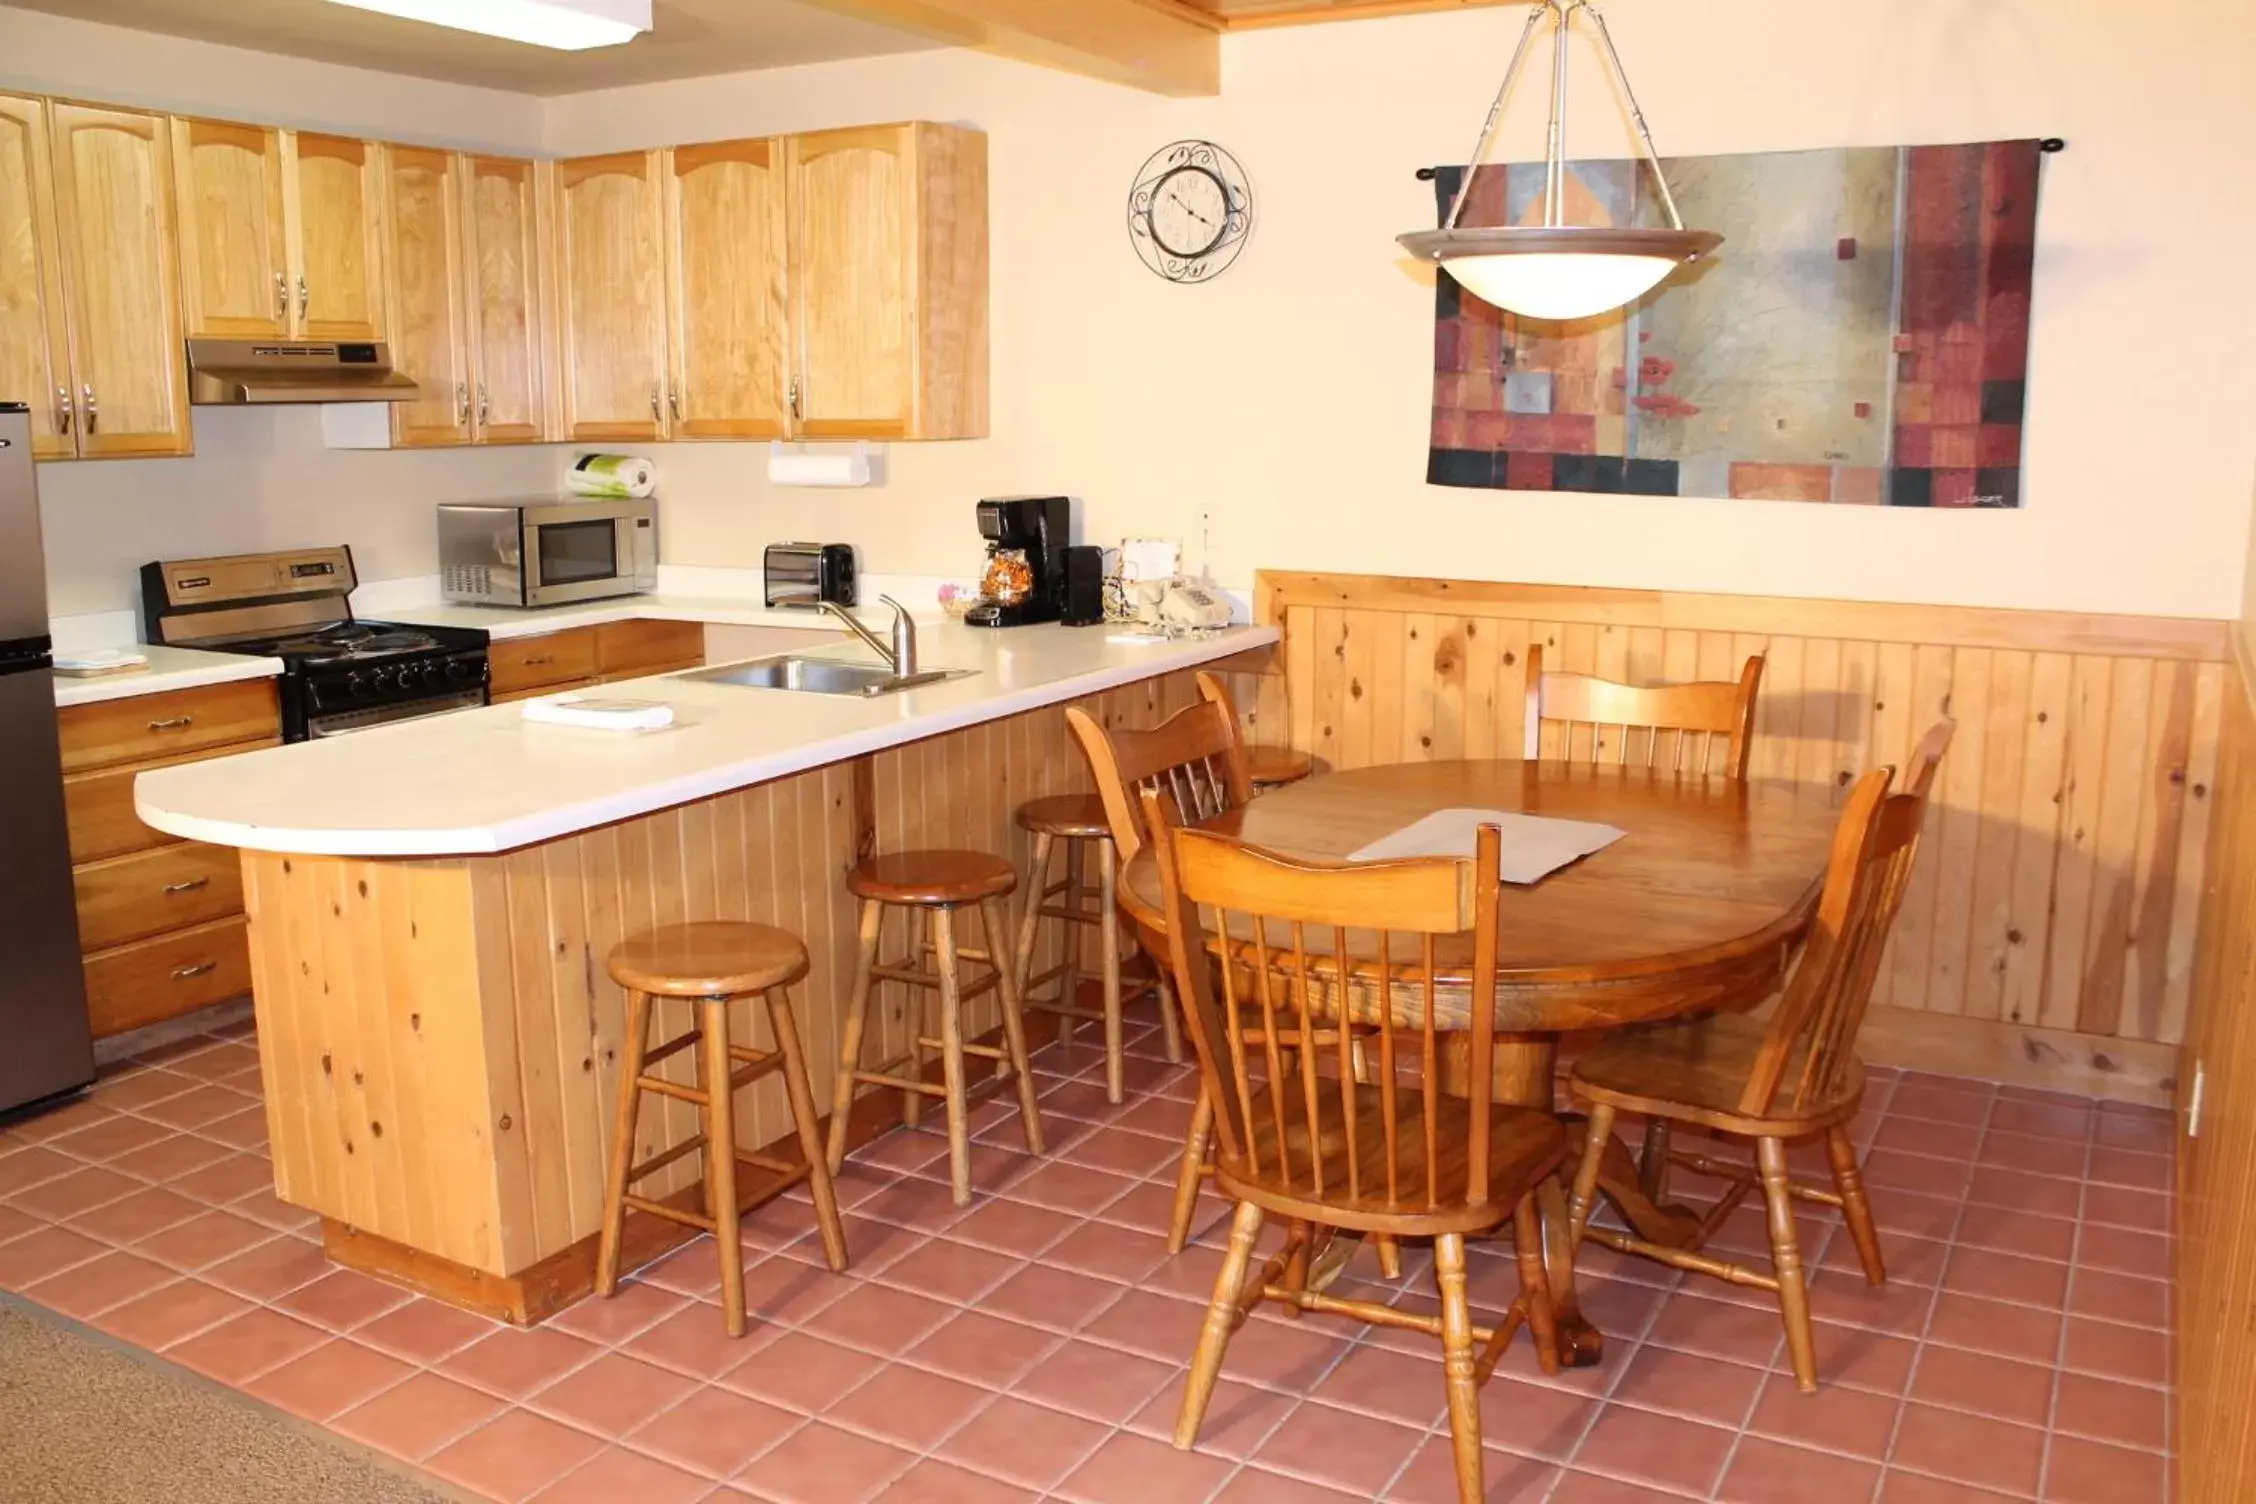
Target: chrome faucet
[901, 657]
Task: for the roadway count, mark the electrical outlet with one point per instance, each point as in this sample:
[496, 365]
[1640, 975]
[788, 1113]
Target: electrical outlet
[2193, 1101]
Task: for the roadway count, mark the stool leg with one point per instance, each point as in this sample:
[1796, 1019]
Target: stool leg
[635, 1042]
[720, 1157]
[952, 1058]
[1108, 926]
[785, 1026]
[1170, 1022]
[920, 937]
[850, 1045]
[1030, 926]
[994, 917]
[1069, 981]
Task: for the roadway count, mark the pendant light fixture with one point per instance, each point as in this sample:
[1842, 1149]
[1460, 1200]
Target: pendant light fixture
[1556, 270]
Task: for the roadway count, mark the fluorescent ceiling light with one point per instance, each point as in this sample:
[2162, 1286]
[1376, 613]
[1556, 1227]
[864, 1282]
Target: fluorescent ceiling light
[569, 25]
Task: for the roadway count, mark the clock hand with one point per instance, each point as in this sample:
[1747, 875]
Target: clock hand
[1177, 200]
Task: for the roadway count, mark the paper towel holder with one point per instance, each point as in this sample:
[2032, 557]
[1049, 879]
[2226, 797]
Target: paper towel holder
[787, 467]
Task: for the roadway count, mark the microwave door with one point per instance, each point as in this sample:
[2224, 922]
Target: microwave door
[576, 560]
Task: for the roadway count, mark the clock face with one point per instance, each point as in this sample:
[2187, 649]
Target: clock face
[1189, 211]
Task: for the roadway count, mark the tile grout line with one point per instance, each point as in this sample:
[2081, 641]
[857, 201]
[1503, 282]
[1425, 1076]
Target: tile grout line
[2067, 1305]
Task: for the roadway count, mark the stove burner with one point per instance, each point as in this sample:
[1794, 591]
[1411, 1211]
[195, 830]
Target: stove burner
[353, 640]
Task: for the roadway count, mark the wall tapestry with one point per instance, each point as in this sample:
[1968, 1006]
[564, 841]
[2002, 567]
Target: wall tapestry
[1861, 336]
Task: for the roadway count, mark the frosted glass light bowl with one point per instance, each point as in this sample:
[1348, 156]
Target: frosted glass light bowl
[1559, 271]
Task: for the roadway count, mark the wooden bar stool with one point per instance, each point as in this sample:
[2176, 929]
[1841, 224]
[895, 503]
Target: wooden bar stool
[932, 885]
[712, 964]
[1079, 821]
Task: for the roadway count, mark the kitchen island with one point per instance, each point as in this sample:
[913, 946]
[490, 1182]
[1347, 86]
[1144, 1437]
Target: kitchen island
[430, 905]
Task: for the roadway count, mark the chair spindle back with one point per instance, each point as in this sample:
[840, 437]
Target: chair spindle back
[1812, 1037]
[1194, 758]
[1303, 947]
[1703, 727]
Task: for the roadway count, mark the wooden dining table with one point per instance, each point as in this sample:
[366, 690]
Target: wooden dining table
[1695, 908]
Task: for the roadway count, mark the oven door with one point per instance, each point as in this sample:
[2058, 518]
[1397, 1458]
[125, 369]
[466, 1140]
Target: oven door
[345, 722]
[589, 552]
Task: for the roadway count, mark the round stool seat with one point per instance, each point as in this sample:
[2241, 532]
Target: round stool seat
[717, 958]
[1273, 767]
[932, 878]
[1074, 817]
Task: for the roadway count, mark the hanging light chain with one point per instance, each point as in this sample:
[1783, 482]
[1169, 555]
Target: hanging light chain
[1636, 115]
[1536, 13]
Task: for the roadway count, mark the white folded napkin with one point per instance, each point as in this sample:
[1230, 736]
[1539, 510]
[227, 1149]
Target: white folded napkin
[1535, 846]
[99, 661]
[601, 714]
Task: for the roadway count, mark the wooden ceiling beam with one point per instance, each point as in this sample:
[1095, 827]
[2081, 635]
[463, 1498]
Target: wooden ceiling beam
[1250, 15]
[1165, 46]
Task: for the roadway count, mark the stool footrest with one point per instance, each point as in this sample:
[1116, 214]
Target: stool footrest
[672, 1046]
[1091, 915]
[905, 1083]
[674, 1089]
[929, 979]
[665, 1157]
[671, 1213]
[983, 1051]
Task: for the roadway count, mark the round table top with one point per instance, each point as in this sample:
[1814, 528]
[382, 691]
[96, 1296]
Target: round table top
[1695, 905]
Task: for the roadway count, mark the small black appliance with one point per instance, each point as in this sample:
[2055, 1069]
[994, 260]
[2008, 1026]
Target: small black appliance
[1083, 601]
[1024, 578]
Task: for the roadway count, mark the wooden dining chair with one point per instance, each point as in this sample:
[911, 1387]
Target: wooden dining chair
[1328, 1144]
[1792, 1075]
[1582, 718]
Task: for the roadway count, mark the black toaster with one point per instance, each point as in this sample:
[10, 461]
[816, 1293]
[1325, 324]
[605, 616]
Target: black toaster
[801, 574]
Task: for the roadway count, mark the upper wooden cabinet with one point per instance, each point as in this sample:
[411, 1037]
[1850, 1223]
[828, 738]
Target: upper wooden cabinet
[278, 233]
[501, 255]
[611, 294]
[729, 351]
[34, 345]
[121, 301]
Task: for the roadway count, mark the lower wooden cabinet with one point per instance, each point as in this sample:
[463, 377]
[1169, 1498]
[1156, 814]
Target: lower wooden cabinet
[160, 920]
[582, 657]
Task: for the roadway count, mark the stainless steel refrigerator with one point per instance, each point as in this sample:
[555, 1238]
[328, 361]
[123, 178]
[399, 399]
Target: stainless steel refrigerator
[45, 1045]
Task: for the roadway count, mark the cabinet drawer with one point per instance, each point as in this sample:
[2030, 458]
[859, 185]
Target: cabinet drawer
[629, 649]
[165, 725]
[651, 669]
[150, 981]
[99, 806]
[152, 892]
[531, 662]
[534, 692]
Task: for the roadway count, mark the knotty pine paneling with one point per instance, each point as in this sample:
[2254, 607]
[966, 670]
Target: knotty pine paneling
[441, 1038]
[2067, 838]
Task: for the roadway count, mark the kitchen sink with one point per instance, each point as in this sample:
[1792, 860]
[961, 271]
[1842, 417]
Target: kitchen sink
[822, 676]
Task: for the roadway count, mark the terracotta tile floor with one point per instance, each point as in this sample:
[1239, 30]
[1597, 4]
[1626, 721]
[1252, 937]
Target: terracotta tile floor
[1033, 1347]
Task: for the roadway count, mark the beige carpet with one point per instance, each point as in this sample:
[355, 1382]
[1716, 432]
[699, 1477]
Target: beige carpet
[85, 1419]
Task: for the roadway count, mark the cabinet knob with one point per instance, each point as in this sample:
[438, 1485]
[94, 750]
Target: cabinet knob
[173, 723]
[192, 885]
[87, 409]
[462, 404]
[281, 295]
[305, 297]
[657, 408]
[189, 973]
[538, 660]
[485, 407]
[673, 401]
[63, 411]
[794, 397]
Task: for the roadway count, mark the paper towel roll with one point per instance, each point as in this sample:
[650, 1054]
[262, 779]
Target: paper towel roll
[612, 476]
[803, 467]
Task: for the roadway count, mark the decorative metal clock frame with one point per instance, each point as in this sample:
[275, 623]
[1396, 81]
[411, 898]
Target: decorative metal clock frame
[1190, 211]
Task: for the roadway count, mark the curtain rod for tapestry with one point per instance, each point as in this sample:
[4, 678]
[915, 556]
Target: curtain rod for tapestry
[2048, 146]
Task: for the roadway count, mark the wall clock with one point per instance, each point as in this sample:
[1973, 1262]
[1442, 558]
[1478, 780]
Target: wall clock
[1190, 211]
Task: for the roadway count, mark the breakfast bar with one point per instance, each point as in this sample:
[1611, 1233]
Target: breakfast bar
[430, 906]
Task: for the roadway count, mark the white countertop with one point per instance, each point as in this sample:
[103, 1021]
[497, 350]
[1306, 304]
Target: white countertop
[485, 780]
[504, 622]
[169, 668]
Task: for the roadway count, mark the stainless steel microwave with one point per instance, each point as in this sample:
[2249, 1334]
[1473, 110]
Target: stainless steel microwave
[547, 553]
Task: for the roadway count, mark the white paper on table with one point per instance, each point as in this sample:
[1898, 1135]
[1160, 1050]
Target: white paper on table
[1535, 846]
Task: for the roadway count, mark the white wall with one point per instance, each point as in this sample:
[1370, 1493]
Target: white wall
[260, 478]
[1289, 402]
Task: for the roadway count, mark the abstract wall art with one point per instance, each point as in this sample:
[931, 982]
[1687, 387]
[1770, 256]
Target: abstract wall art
[1861, 336]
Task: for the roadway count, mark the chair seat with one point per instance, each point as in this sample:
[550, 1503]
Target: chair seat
[1076, 817]
[1695, 1071]
[940, 878]
[1525, 1144]
[712, 959]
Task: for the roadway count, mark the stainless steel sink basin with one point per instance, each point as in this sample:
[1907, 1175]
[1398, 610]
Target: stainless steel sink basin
[822, 676]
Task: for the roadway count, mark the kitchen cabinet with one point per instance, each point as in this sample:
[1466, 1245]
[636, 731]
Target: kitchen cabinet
[278, 233]
[34, 347]
[160, 919]
[611, 295]
[127, 392]
[502, 266]
[729, 345]
[582, 657]
[888, 271]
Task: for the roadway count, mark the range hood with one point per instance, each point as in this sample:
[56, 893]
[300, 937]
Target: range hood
[241, 372]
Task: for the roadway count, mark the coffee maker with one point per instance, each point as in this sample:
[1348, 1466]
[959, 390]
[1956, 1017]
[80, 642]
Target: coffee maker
[1023, 581]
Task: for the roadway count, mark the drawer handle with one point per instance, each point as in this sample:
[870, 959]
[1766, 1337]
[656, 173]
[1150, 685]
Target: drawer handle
[545, 658]
[173, 723]
[188, 973]
[189, 886]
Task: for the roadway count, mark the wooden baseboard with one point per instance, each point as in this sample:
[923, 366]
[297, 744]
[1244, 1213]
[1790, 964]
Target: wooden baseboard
[2089, 1065]
[531, 1296]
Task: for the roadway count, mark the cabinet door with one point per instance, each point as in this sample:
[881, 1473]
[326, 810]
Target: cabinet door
[234, 267]
[113, 199]
[430, 344]
[501, 250]
[611, 297]
[725, 235]
[330, 195]
[850, 247]
[34, 352]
